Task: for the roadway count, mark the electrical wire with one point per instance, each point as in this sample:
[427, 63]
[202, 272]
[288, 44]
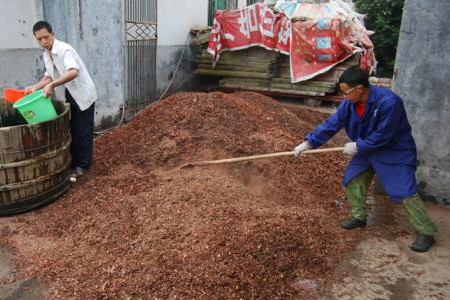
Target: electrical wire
[165, 91]
[122, 119]
[173, 77]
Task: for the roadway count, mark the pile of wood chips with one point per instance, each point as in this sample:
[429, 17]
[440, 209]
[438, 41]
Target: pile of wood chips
[139, 227]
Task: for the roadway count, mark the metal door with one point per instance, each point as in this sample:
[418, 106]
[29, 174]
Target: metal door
[141, 38]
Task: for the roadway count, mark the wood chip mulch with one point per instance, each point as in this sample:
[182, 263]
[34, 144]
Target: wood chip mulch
[138, 227]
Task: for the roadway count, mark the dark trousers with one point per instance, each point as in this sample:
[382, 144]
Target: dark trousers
[82, 131]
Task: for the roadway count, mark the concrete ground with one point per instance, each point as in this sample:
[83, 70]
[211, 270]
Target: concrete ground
[11, 289]
[384, 268]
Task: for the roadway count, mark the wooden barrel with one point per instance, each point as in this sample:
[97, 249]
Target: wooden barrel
[34, 163]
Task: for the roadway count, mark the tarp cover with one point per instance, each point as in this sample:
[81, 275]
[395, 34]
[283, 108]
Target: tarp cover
[315, 36]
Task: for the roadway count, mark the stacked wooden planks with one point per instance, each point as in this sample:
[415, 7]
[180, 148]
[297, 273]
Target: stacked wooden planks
[258, 69]
[200, 36]
[250, 63]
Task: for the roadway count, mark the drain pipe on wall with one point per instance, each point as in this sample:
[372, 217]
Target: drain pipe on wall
[80, 21]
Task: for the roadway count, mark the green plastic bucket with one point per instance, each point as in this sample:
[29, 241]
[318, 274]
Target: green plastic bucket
[36, 108]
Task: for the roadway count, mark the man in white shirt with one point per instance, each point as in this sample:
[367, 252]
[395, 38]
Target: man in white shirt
[63, 66]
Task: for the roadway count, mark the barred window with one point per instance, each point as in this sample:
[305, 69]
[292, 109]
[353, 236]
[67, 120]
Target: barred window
[213, 5]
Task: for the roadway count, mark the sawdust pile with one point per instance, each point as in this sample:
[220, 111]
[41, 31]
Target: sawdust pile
[140, 228]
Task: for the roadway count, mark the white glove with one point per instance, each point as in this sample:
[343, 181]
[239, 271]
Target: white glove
[350, 148]
[302, 147]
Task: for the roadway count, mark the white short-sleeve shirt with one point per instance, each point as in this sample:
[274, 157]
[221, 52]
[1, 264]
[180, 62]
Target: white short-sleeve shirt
[81, 88]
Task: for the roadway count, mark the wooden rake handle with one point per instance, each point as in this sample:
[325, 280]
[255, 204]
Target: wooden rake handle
[254, 157]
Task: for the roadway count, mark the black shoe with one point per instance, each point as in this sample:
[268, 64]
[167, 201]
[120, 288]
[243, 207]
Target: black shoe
[77, 172]
[353, 223]
[423, 243]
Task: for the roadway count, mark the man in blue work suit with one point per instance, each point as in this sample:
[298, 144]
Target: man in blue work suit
[375, 120]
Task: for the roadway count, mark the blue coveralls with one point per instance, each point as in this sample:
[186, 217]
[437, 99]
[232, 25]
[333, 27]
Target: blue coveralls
[383, 138]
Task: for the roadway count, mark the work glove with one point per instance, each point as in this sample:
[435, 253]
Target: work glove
[350, 148]
[301, 148]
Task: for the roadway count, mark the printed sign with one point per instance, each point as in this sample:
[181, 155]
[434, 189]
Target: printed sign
[314, 45]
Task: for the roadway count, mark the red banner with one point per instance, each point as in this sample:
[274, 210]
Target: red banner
[314, 45]
[317, 47]
[254, 25]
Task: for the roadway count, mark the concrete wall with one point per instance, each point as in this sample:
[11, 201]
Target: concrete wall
[26, 69]
[422, 80]
[184, 79]
[16, 22]
[20, 57]
[96, 31]
[175, 19]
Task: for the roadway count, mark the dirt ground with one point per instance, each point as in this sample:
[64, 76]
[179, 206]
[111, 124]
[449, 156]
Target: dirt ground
[138, 227]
